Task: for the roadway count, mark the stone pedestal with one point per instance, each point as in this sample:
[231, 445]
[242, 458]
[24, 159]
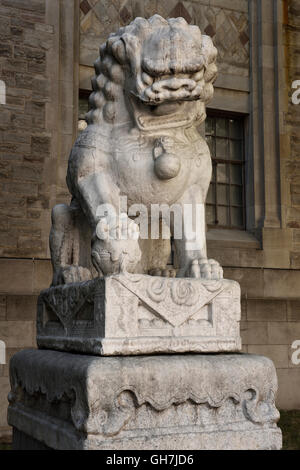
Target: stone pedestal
[138, 314]
[70, 401]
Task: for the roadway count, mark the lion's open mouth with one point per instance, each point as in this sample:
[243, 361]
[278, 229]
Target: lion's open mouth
[161, 100]
[166, 114]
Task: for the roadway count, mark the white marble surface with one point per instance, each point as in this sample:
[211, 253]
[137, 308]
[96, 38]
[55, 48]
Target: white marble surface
[129, 314]
[164, 402]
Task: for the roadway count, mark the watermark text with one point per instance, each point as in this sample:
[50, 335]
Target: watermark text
[296, 354]
[2, 352]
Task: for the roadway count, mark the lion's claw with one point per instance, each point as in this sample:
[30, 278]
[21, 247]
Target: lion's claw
[205, 269]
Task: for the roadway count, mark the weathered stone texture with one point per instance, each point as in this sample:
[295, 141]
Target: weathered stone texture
[154, 402]
[125, 315]
[17, 330]
[4, 390]
[271, 323]
[25, 143]
[33, 41]
[292, 123]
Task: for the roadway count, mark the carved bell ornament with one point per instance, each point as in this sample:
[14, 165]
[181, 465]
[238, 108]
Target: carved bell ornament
[166, 164]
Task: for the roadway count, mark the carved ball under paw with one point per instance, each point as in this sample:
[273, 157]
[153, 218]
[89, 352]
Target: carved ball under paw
[115, 247]
[206, 269]
[115, 256]
[117, 228]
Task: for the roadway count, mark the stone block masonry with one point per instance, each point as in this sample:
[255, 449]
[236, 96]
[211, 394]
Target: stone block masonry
[20, 283]
[25, 155]
[25, 140]
[33, 144]
[35, 45]
[291, 143]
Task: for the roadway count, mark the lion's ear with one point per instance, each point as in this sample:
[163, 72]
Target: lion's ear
[209, 51]
[211, 73]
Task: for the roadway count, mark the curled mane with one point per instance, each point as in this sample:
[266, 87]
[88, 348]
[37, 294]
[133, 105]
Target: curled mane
[123, 52]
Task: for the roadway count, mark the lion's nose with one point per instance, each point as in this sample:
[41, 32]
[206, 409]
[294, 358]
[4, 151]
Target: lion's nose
[174, 84]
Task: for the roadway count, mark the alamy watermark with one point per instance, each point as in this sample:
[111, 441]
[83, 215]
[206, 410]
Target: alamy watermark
[184, 221]
[296, 354]
[2, 92]
[2, 352]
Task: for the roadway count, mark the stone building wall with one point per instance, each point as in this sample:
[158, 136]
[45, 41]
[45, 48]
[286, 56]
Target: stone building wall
[47, 48]
[25, 139]
[269, 273]
[291, 148]
[39, 65]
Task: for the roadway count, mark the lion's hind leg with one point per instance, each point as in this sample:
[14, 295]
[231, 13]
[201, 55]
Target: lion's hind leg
[67, 244]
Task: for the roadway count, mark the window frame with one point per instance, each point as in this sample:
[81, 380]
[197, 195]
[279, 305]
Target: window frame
[214, 114]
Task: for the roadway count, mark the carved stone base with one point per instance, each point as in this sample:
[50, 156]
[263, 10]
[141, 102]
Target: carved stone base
[140, 314]
[68, 401]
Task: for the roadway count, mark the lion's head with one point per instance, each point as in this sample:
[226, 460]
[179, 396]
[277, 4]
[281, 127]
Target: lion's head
[161, 68]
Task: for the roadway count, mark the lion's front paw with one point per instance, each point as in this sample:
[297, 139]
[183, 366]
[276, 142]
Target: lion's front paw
[206, 269]
[115, 247]
[121, 228]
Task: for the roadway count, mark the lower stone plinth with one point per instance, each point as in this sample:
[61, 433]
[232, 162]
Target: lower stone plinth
[68, 401]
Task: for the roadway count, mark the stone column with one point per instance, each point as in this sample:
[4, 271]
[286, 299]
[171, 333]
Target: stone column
[63, 69]
[265, 154]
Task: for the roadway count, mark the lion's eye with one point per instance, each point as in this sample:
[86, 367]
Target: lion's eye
[147, 79]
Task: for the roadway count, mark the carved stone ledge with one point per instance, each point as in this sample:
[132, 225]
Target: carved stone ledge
[68, 401]
[140, 314]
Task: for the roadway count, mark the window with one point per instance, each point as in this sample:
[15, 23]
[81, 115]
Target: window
[225, 206]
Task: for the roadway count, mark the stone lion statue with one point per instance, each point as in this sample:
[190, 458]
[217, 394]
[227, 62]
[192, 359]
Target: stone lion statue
[153, 80]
